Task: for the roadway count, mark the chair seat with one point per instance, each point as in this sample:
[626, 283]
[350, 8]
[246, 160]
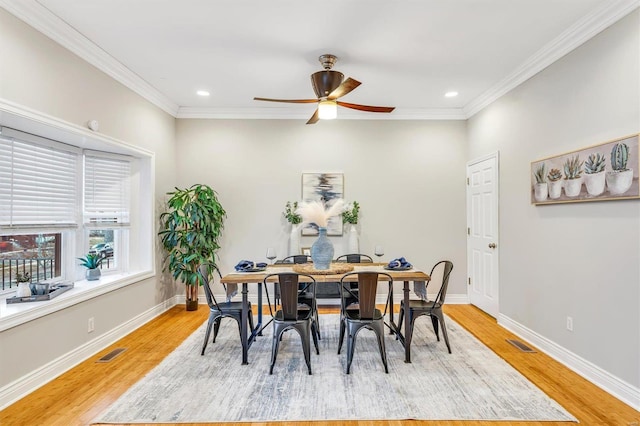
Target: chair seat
[354, 314]
[230, 307]
[302, 315]
[421, 304]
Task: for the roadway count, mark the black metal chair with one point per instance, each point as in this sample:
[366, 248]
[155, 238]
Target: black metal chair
[418, 308]
[292, 314]
[354, 258]
[363, 313]
[218, 311]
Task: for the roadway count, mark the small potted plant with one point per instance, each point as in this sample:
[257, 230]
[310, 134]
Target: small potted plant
[295, 220]
[594, 174]
[540, 189]
[92, 263]
[555, 183]
[619, 179]
[573, 176]
[23, 280]
[350, 216]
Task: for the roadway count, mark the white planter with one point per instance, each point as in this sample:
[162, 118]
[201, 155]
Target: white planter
[619, 182]
[540, 191]
[24, 290]
[294, 240]
[555, 189]
[353, 245]
[572, 187]
[594, 183]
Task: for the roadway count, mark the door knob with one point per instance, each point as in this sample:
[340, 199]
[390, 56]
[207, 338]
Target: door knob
[492, 245]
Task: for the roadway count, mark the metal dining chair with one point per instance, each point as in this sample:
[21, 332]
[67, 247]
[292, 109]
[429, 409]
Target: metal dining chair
[354, 258]
[218, 311]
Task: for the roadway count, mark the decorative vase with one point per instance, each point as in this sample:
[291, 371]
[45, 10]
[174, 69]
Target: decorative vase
[555, 189]
[93, 274]
[541, 191]
[619, 181]
[352, 240]
[24, 290]
[294, 240]
[322, 250]
[594, 183]
[572, 187]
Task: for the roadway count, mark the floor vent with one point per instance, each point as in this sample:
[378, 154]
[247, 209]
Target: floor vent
[518, 344]
[111, 355]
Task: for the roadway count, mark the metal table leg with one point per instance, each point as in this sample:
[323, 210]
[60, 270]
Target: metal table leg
[259, 326]
[243, 325]
[407, 325]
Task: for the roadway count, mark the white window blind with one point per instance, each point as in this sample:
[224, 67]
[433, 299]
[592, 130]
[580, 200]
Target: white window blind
[38, 183]
[107, 190]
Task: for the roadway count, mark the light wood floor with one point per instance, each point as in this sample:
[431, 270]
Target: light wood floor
[79, 395]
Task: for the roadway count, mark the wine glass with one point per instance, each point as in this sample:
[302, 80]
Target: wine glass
[379, 251]
[271, 254]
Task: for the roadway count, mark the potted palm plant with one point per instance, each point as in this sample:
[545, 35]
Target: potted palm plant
[191, 229]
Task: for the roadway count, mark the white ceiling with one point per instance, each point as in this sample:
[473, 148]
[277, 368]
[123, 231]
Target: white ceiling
[406, 53]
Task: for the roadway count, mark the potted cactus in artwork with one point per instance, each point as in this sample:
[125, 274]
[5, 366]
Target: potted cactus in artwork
[573, 176]
[555, 183]
[540, 189]
[619, 179]
[594, 174]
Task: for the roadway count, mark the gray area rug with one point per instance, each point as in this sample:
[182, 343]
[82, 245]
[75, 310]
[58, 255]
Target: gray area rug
[472, 383]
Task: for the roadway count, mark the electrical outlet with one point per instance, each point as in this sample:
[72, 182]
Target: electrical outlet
[91, 326]
[569, 323]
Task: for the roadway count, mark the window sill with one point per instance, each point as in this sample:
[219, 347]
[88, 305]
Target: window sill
[19, 313]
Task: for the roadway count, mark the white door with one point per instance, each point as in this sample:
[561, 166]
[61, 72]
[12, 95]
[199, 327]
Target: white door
[482, 233]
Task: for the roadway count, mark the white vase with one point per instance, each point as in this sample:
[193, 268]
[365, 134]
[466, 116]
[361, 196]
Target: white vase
[594, 183]
[24, 290]
[294, 240]
[352, 240]
[619, 182]
[555, 189]
[540, 191]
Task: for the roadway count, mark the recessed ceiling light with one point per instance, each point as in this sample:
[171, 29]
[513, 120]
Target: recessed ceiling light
[202, 93]
[451, 94]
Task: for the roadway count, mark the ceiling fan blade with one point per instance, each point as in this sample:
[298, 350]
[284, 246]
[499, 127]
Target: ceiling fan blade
[368, 108]
[292, 101]
[314, 118]
[347, 86]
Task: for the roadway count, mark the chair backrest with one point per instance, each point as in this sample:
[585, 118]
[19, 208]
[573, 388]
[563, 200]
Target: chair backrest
[290, 290]
[445, 267]
[204, 271]
[354, 258]
[367, 285]
[297, 258]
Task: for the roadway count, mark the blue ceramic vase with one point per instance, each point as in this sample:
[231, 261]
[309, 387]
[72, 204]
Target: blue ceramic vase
[322, 251]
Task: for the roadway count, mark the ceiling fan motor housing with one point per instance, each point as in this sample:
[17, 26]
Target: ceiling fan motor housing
[325, 82]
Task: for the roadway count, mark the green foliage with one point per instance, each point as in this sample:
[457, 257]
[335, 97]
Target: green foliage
[290, 213]
[573, 167]
[554, 175]
[619, 157]
[350, 215]
[23, 278]
[91, 261]
[191, 229]
[540, 174]
[594, 164]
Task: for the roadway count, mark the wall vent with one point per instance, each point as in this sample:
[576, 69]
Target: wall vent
[518, 344]
[111, 355]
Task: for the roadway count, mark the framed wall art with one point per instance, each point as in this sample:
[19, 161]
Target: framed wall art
[323, 187]
[608, 171]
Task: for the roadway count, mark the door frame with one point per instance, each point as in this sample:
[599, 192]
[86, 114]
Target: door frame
[493, 155]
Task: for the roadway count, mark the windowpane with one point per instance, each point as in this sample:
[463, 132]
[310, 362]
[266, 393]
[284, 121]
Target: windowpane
[39, 255]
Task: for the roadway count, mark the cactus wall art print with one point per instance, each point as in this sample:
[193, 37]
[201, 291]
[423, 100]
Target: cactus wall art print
[607, 171]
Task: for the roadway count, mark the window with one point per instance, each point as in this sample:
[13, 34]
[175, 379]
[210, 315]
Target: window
[35, 254]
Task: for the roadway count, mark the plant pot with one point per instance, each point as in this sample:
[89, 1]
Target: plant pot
[93, 274]
[594, 183]
[294, 240]
[352, 239]
[555, 189]
[191, 297]
[24, 290]
[192, 305]
[619, 182]
[572, 187]
[322, 251]
[540, 191]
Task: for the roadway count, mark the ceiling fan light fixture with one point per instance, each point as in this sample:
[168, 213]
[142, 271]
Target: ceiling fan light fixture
[327, 110]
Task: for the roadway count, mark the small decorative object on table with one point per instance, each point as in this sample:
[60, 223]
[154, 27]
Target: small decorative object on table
[314, 212]
[23, 280]
[92, 263]
[350, 216]
[295, 220]
[399, 264]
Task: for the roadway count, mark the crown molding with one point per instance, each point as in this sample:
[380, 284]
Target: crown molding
[40, 18]
[570, 39]
[292, 113]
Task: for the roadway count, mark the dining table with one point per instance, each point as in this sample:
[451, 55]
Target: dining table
[245, 279]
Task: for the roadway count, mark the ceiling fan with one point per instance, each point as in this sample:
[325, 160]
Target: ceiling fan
[330, 85]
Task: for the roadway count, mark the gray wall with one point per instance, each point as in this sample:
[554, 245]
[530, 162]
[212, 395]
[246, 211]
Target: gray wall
[408, 176]
[39, 74]
[582, 259]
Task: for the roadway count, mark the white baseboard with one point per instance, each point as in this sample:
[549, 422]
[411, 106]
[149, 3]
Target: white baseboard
[30, 382]
[622, 390]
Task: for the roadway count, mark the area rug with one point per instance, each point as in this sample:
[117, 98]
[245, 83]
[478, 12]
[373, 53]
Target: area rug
[472, 383]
